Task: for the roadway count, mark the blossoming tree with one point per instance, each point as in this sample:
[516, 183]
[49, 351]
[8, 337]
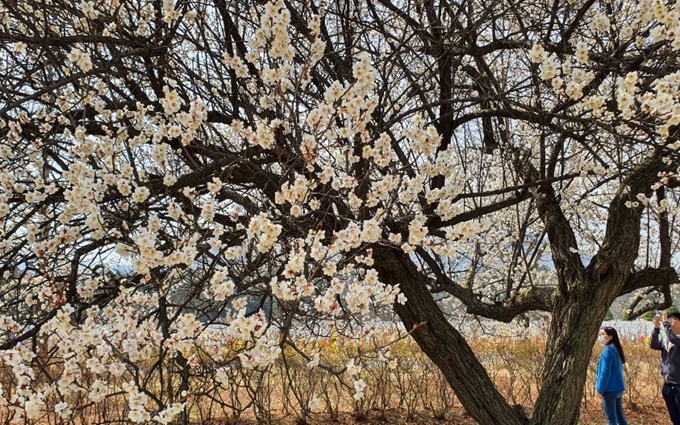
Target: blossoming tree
[174, 167]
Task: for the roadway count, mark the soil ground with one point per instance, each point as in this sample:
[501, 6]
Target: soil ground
[592, 415]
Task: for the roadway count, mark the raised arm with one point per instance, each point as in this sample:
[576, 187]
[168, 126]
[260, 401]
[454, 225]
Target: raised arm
[654, 342]
[672, 337]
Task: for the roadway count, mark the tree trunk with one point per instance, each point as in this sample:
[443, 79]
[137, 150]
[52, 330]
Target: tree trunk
[573, 329]
[443, 344]
[577, 316]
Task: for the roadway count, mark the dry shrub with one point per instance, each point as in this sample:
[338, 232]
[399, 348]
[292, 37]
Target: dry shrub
[415, 386]
[300, 383]
[438, 397]
[379, 380]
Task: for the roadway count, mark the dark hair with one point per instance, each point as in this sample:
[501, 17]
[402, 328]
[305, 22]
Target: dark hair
[615, 340]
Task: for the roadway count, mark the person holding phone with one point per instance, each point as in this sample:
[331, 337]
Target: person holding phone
[665, 339]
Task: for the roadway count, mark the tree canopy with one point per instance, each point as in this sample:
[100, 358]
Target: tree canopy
[261, 166]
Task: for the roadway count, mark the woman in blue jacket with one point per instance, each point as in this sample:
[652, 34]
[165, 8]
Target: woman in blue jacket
[609, 382]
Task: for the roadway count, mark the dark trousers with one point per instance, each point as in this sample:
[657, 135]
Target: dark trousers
[671, 395]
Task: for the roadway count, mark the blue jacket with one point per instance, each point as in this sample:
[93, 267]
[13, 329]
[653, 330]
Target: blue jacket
[610, 371]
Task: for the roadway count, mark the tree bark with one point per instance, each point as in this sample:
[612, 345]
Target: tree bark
[573, 329]
[577, 316]
[442, 343]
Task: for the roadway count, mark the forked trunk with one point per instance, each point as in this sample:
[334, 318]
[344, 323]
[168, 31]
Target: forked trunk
[576, 320]
[573, 330]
